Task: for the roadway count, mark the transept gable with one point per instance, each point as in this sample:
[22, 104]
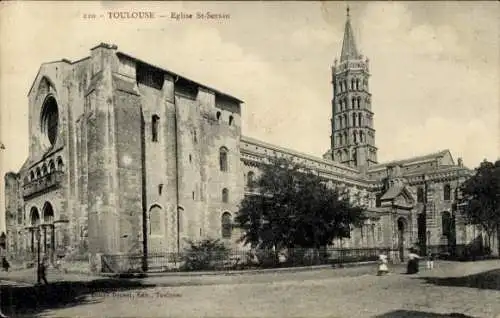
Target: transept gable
[47, 72]
[398, 195]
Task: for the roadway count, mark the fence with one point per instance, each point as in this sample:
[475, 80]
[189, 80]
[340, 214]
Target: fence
[237, 259]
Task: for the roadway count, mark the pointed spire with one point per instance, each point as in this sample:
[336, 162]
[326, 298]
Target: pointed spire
[349, 50]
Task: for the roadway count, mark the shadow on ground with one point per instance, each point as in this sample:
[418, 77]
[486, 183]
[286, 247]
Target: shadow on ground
[419, 314]
[485, 280]
[32, 301]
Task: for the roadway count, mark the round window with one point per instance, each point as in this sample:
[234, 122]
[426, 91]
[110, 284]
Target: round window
[50, 120]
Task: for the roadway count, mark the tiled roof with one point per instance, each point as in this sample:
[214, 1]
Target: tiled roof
[392, 193]
[426, 157]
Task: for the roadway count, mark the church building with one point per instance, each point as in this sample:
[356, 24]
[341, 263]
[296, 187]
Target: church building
[126, 156]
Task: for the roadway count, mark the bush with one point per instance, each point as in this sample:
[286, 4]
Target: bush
[205, 255]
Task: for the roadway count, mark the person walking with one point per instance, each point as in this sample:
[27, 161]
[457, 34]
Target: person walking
[5, 264]
[430, 260]
[42, 271]
[382, 265]
[413, 259]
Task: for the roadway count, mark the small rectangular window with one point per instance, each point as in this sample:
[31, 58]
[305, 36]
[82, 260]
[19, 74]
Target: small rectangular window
[154, 128]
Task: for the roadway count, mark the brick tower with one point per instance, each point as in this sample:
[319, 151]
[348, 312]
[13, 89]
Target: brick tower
[353, 136]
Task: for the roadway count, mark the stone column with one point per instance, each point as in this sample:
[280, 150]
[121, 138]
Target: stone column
[44, 238]
[32, 233]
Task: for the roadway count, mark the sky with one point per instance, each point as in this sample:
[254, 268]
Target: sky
[434, 66]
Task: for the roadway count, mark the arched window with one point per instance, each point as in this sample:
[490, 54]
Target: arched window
[250, 179]
[32, 176]
[420, 195]
[218, 115]
[345, 121]
[354, 119]
[346, 155]
[50, 120]
[48, 213]
[358, 100]
[155, 120]
[340, 139]
[226, 225]
[339, 155]
[447, 192]
[340, 121]
[446, 223]
[34, 216]
[352, 84]
[225, 195]
[60, 164]
[357, 84]
[359, 119]
[52, 166]
[44, 170]
[230, 120]
[38, 173]
[223, 158]
[155, 220]
[355, 137]
[361, 136]
[346, 141]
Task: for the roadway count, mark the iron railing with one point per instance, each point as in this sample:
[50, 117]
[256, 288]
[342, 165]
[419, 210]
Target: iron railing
[48, 181]
[237, 259]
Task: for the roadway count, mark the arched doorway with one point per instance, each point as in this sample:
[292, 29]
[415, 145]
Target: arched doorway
[226, 225]
[402, 229]
[48, 229]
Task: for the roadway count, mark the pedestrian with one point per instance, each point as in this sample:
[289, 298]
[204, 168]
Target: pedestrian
[5, 264]
[430, 260]
[382, 265]
[413, 258]
[42, 271]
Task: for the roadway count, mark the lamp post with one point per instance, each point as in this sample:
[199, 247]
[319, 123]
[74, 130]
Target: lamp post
[38, 238]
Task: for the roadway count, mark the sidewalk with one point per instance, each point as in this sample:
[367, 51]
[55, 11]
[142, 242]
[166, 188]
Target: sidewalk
[252, 271]
[173, 279]
[28, 276]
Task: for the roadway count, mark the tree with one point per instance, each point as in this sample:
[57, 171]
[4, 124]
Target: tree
[204, 255]
[481, 197]
[294, 208]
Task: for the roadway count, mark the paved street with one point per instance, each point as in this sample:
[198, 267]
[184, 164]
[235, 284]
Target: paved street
[472, 289]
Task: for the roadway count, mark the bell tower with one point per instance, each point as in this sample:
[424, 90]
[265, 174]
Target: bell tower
[353, 136]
